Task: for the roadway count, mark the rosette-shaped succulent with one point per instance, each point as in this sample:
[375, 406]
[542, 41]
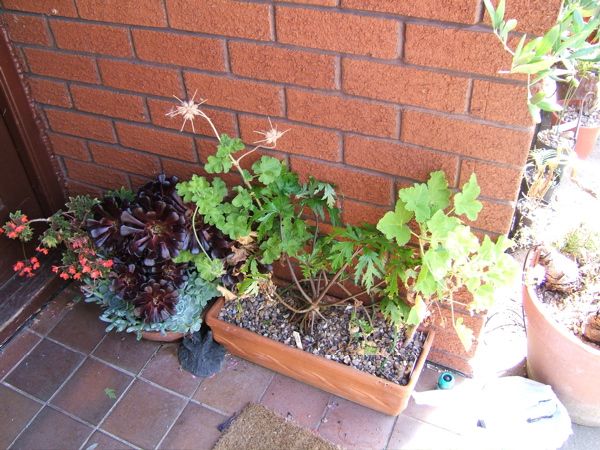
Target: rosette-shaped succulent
[126, 280]
[156, 301]
[157, 230]
[105, 227]
[164, 190]
[170, 271]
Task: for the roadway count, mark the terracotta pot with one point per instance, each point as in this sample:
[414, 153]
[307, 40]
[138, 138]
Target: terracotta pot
[587, 137]
[336, 378]
[159, 337]
[558, 358]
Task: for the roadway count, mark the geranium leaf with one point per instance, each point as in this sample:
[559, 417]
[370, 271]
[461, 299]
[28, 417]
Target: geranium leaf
[465, 202]
[464, 334]
[393, 224]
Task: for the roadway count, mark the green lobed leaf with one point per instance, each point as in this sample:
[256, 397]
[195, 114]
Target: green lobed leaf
[439, 194]
[268, 169]
[464, 334]
[417, 312]
[416, 199]
[465, 202]
[393, 224]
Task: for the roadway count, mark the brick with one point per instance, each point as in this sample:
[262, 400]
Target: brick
[449, 342]
[397, 159]
[495, 181]
[70, 147]
[463, 50]
[223, 121]
[356, 213]
[338, 32]
[441, 318]
[180, 49]
[299, 140]
[140, 77]
[266, 62]
[125, 160]
[141, 12]
[83, 125]
[65, 8]
[533, 16]
[494, 217]
[315, 2]
[466, 138]
[49, 92]
[458, 363]
[183, 171]
[62, 65]
[500, 102]
[95, 175]
[221, 17]
[27, 29]
[75, 188]
[91, 38]
[461, 11]
[334, 111]
[239, 95]
[109, 103]
[405, 85]
[351, 183]
[173, 145]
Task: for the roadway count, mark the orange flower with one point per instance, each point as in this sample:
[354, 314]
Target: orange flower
[72, 270]
[18, 266]
[64, 276]
[108, 263]
[13, 234]
[43, 250]
[54, 268]
[24, 219]
[77, 276]
[95, 273]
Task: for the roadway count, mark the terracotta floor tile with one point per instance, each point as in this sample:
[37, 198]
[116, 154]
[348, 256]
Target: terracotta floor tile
[144, 415]
[15, 349]
[44, 370]
[196, 428]
[354, 426]
[84, 394]
[239, 383]
[16, 411]
[105, 442]
[125, 351]
[411, 434]
[305, 404]
[53, 311]
[164, 369]
[51, 430]
[80, 329]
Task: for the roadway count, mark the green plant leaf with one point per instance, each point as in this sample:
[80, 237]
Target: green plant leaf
[464, 334]
[439, 194]
[417, 312]
[465, 202]
[535, 67]
[111, 393]
[548, 40]
[268, 169]
[416, 199]
[393, 224]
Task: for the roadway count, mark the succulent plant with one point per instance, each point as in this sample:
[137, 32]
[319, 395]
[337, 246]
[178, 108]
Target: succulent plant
[155, 302]
[105, 229]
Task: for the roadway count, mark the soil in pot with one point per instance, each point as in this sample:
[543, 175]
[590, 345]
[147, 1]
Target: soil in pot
[351, 336]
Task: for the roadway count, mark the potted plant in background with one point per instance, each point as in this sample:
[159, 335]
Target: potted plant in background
[561, 69]
[560, 291]
[359, 271]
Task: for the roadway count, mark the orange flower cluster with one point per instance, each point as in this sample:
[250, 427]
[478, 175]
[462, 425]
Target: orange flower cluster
[26, 267]
[13, 228]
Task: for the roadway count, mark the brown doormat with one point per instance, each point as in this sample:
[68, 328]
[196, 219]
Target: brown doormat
[257, 428]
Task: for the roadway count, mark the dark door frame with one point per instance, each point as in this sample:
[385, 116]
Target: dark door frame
[22, 297]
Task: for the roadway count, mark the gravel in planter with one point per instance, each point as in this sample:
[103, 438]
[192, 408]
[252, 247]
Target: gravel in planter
[337, 337]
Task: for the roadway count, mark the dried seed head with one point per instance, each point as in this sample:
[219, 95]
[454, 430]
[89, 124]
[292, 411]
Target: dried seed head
[271, 136]
[188, 110]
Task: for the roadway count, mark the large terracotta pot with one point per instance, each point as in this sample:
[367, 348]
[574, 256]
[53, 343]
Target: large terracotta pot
[336, 378]
[557, 358]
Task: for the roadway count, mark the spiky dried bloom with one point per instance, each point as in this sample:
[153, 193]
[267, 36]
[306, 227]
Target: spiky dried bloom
[271, 136]
[189, 110]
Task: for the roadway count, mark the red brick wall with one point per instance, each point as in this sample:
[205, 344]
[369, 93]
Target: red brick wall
[377, 93]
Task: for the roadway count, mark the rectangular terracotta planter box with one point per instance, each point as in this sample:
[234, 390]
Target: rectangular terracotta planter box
[331, 376]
